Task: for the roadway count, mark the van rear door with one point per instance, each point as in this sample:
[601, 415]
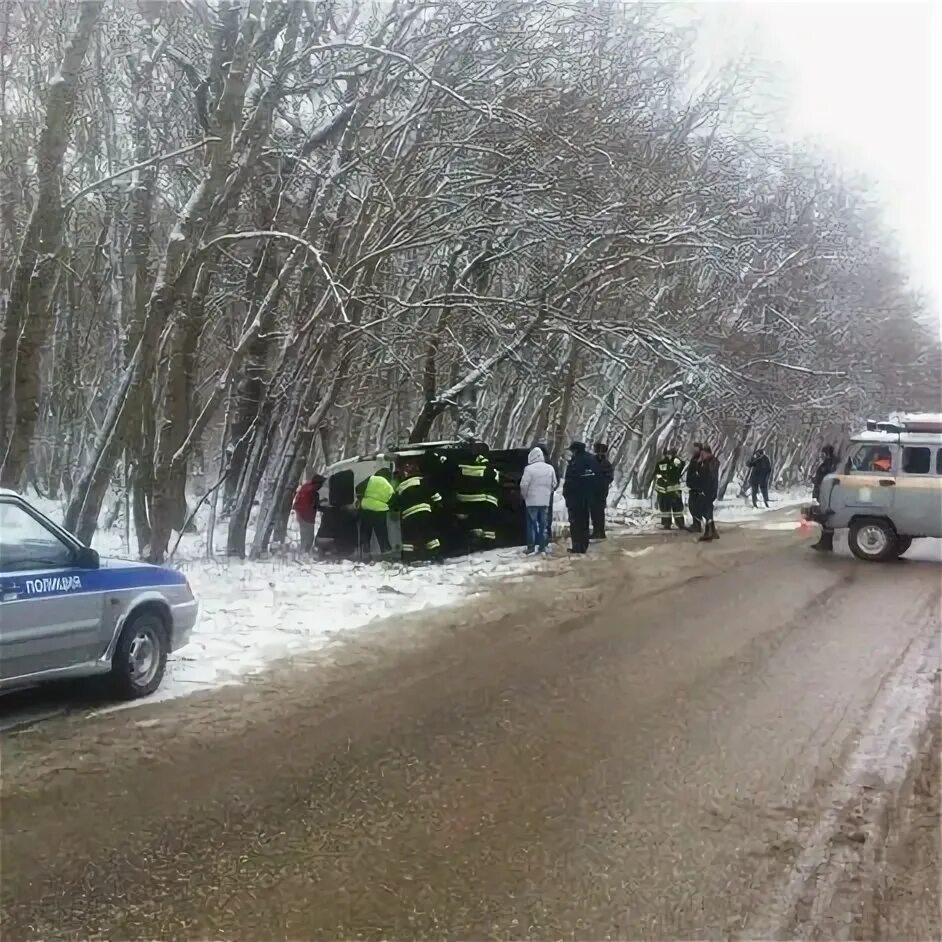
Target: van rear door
[917, 510]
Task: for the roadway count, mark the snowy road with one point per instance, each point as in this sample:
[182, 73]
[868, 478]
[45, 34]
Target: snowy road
[688, 742]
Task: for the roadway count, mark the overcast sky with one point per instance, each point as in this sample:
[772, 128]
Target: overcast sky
[864, 79]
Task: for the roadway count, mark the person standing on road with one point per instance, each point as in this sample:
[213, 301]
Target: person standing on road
[374, 511]
[695, 498]
[579, 487]
[418, 505]
[709, 484]
[668, 475]
[606, 474]
[827, 465]
[760, 473]
[306, 504]
[536, 488]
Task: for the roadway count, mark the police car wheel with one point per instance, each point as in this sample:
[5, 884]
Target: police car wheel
[140, 657]
[872, 540]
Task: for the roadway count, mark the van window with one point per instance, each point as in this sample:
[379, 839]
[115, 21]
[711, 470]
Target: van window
[938, 461]
[876, 458]
[916, 460]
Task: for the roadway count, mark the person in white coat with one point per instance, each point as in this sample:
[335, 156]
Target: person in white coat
[537, 485]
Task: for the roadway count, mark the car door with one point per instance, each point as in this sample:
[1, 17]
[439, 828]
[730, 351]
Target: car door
[49, 621]
[871, 481]
[918, 504]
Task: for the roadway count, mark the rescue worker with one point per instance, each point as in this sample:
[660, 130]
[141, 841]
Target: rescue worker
[760, 472]
[374, 511]
[708, 483]
[477, 493]
[695, 498]
[604, 478]
[579, 487]
[418, 506]
[306, 504]
[668, 475]
[828, 465]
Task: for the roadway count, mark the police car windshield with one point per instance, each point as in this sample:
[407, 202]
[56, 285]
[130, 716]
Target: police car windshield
[25, 543]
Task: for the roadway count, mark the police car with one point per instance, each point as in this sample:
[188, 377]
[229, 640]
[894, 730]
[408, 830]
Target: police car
[67, 613]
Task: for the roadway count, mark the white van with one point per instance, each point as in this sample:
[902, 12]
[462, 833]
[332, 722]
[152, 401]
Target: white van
[889, 490]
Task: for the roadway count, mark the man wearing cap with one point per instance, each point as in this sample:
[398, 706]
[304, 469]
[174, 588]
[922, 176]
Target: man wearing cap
[579, 487]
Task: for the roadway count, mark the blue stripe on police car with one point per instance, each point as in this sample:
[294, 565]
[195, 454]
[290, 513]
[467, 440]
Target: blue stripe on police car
[113, 576]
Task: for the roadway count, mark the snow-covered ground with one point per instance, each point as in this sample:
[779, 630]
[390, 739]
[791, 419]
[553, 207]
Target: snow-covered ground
[642, 515]
[255, 613]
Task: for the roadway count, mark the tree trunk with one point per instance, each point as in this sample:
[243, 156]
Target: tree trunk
[26, 322]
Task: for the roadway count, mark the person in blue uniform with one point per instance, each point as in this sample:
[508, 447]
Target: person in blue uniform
[579, 489]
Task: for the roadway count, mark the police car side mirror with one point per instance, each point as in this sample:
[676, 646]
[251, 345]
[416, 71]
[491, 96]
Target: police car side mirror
[86, 558]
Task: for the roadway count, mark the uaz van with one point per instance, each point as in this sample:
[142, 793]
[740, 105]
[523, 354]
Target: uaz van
[889, 490]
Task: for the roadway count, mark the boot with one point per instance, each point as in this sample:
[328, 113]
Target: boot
[695, 527]
[709, 533]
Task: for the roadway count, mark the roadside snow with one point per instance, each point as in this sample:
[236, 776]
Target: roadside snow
[255, 613]
[642, 515]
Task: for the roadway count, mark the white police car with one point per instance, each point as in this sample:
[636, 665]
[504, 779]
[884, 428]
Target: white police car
[64, 612]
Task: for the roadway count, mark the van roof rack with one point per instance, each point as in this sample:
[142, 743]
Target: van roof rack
[915, 423]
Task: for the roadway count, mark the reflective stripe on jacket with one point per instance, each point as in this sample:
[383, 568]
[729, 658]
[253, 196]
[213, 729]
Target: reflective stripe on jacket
[668, 473]
[414, 497]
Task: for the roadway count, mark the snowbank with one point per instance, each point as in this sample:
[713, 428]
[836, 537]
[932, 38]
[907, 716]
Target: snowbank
[641, 514]
[255, 613]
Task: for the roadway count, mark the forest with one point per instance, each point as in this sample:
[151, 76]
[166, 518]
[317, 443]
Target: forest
[240, 240]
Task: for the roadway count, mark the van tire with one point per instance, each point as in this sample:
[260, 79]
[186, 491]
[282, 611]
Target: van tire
[873, 540]
[903, 544]
[140, 656]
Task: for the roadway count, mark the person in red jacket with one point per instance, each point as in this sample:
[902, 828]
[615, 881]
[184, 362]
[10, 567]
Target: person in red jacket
[306, 504]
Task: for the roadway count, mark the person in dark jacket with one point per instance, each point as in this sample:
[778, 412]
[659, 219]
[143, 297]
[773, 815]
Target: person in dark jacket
[828, 465]
[418, 505]
[708, 483]
[668, 475]
[579, 488]
[694, 501]
[606, 474]
[477, 493]
[760, 473]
